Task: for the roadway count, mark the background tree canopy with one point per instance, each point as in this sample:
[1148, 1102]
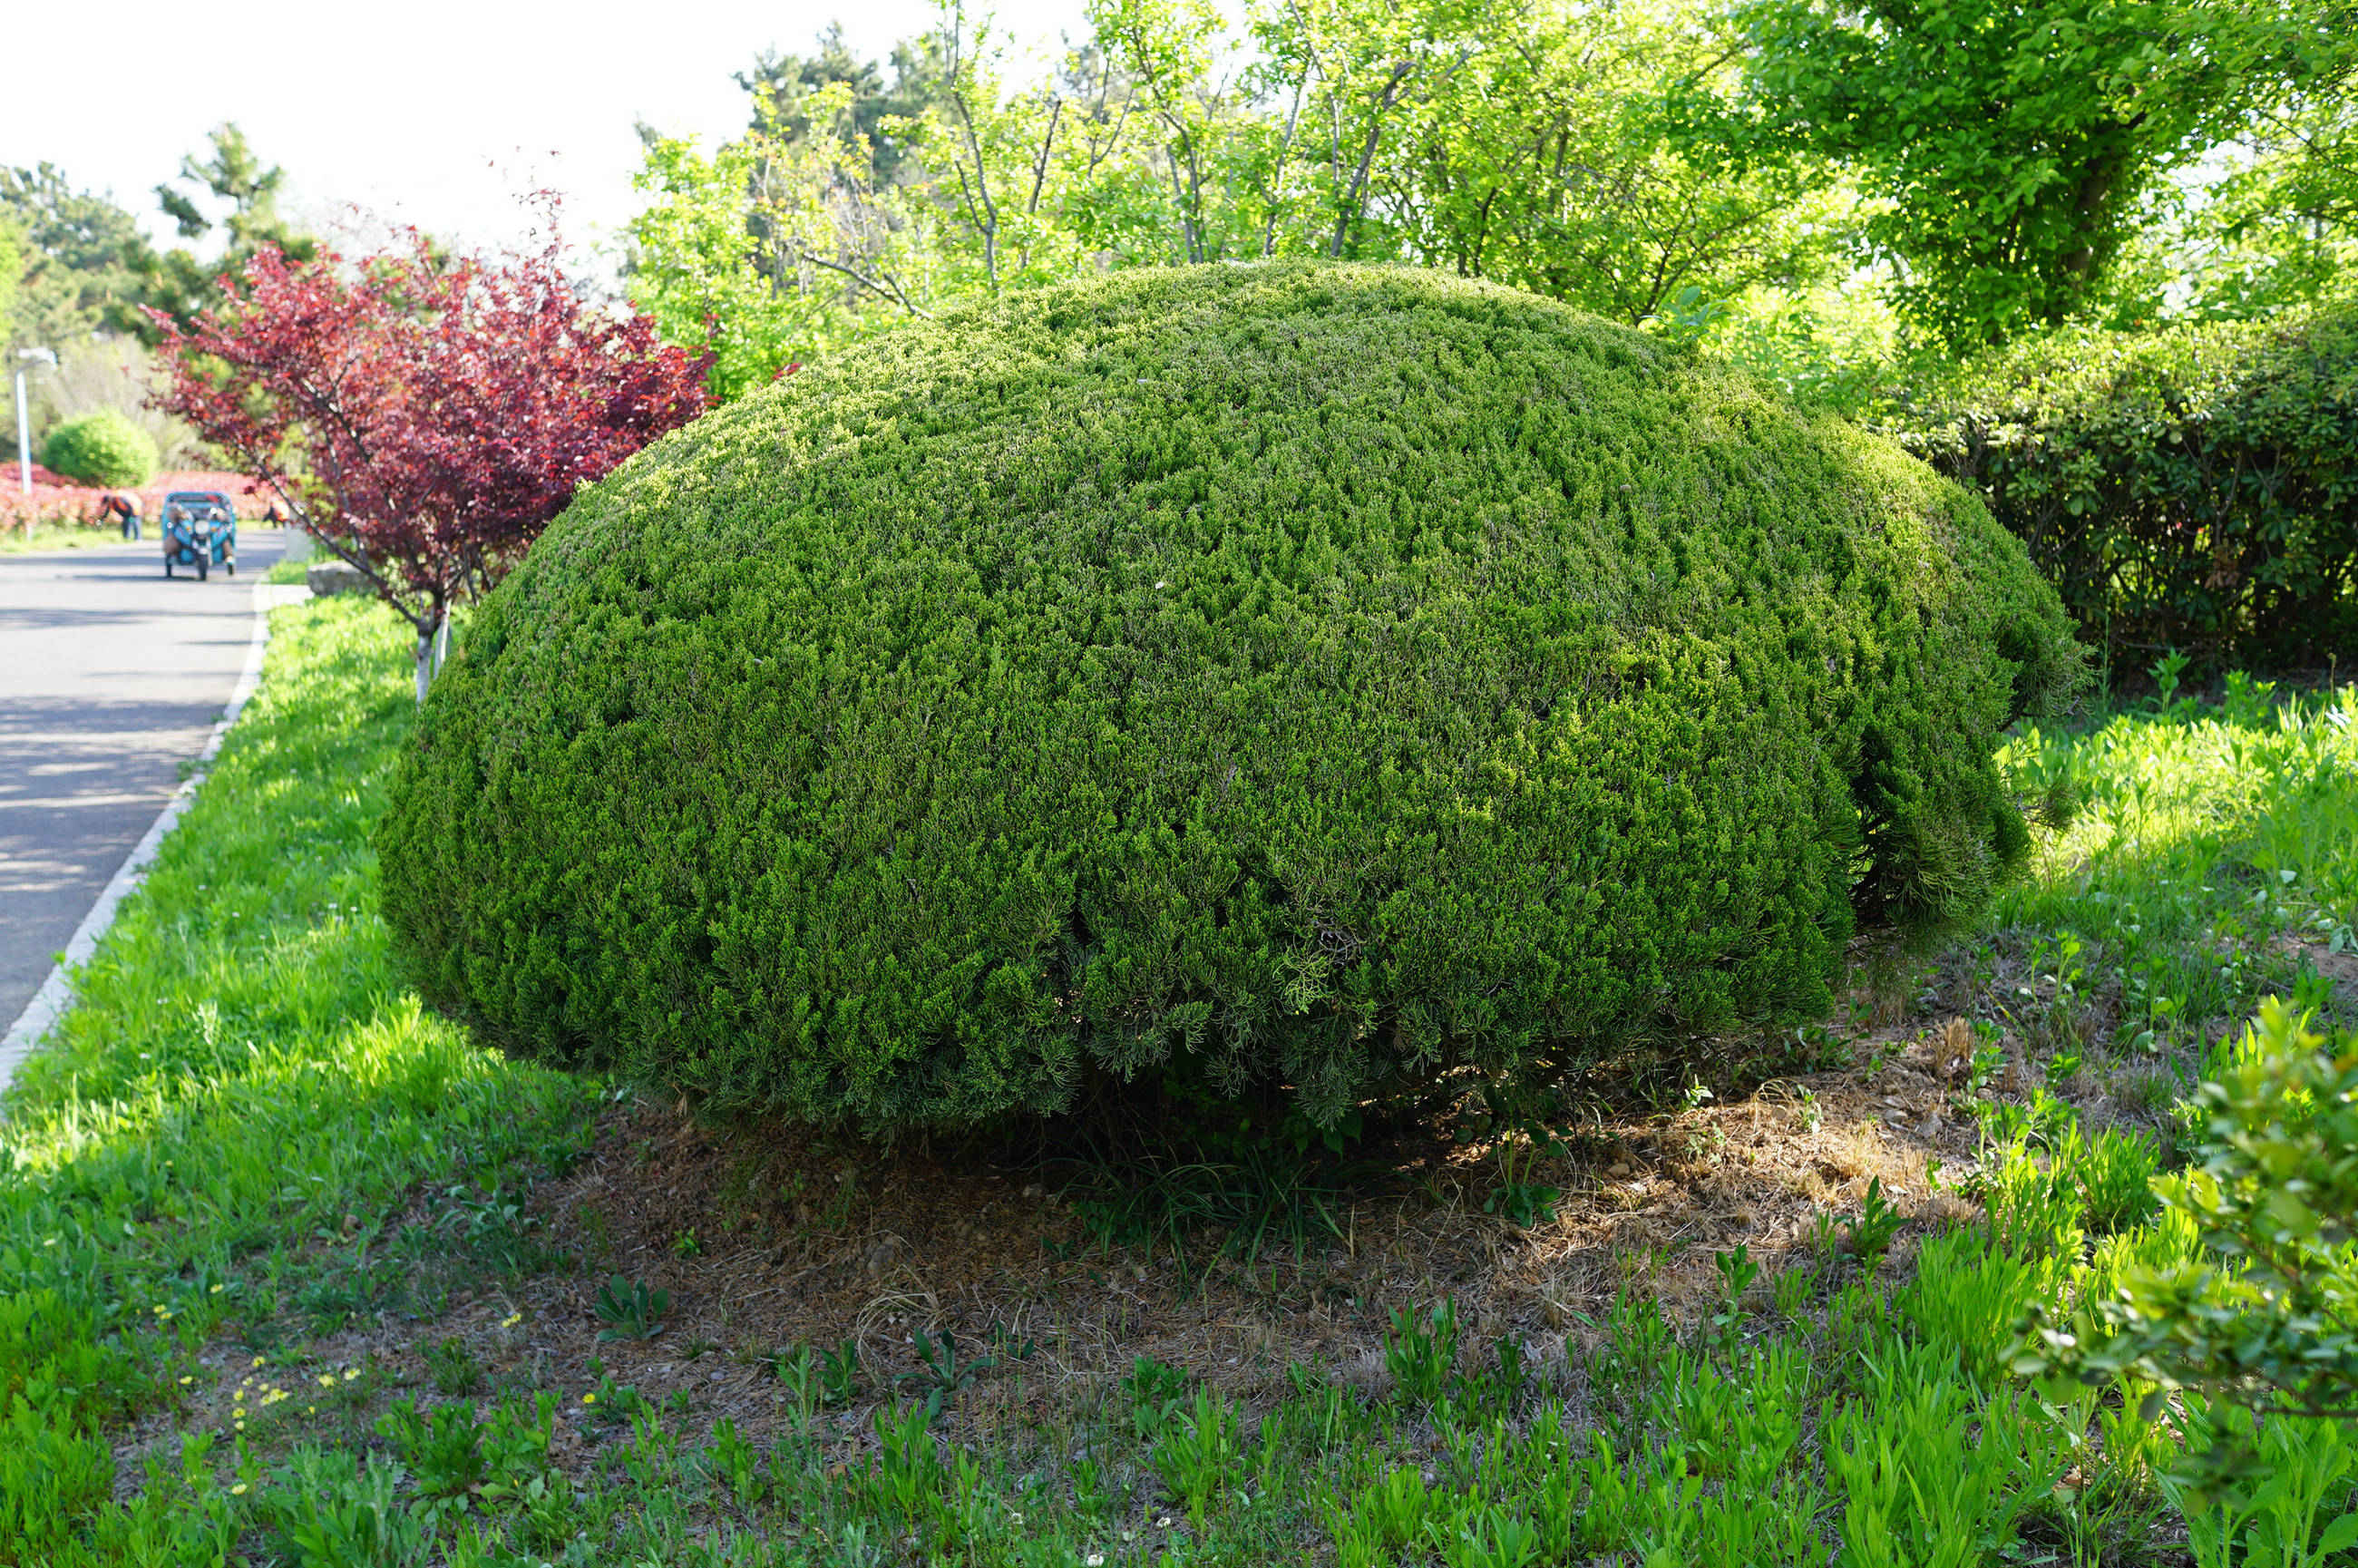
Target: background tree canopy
[1600, 157]
[1978, 172]
[78, 277]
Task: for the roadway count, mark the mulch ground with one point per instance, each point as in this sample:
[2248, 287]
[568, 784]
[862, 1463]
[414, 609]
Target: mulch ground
[767, 1240]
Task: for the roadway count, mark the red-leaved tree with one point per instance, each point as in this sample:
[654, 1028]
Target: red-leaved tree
[423, 416]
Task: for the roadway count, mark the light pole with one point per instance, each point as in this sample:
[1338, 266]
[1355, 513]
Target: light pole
[24, 422]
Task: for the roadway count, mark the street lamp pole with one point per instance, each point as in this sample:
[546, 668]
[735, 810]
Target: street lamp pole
[24, 420]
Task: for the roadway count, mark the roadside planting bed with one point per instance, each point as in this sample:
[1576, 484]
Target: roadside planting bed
[289, 1272]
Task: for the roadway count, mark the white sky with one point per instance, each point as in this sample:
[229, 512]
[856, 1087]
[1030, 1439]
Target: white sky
[438, 113]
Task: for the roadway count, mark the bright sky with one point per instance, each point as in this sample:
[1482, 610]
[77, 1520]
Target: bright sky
[438, 113]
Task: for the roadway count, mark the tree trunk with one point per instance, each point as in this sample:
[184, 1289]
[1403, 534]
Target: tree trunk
[433, 650]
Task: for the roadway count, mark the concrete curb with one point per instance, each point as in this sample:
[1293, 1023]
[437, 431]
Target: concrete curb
[56, 995]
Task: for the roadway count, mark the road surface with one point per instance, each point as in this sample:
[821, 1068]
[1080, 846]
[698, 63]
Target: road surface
[110, 678]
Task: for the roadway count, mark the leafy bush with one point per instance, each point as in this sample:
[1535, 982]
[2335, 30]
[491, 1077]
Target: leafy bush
[2194, 488]
[1284, 674]
[2257, 1312]
[101, 447]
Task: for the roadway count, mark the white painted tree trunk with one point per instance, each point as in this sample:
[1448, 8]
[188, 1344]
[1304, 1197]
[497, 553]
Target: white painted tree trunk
[433, 650]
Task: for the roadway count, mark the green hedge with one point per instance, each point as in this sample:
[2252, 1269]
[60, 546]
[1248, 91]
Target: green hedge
[2193, 488]
[1293, 674]
[101, 447]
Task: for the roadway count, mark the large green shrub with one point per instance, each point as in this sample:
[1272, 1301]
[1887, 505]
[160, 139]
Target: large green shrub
[2195, 487]
[101, 448]
[1293, 674]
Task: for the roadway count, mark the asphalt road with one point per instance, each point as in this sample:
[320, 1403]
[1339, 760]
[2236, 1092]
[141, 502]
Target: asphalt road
[110, 678]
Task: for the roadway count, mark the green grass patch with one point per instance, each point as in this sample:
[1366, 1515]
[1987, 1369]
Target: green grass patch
[242, 1096]
[15, 539]
[2213, 859]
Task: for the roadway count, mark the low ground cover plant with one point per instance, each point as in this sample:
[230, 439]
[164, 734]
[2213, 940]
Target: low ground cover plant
[283, 1148]
[1240, 677]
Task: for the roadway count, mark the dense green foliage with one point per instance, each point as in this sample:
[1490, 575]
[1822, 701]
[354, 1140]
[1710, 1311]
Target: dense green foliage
[1588, 154]
[2195, 487]
[2017, 149]
[1315, 674]
[2258, 1313]
[101, 448]
[242, 1075]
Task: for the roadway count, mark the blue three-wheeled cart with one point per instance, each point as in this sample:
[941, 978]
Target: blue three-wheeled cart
[200, 532]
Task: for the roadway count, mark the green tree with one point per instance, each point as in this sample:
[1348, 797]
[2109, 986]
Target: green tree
[175, 281]
[72, 279]
[2013, 151]
[1595, 155]
[2283, 225]
[1596, 158]
[784, 87]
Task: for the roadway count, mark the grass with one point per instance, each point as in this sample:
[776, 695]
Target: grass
[250, 1172]
[15, 538]
[239, 1103]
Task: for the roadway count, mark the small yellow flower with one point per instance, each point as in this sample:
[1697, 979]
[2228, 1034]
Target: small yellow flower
[238, 1411]
[257, 1360]
[215, 1290]
[351, 1372]
[310, 1410]
[238, 1490]
[588, 1399]
[241, 1426]
[328, 1381]
[186, 1382]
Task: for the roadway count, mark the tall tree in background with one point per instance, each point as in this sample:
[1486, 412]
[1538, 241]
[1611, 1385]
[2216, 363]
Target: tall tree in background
[2014, 150]
[423, 416]
[1588, 154]
[784, 89]
[2283, 223]
[71, 278]
[1594, 156]
[176, 285]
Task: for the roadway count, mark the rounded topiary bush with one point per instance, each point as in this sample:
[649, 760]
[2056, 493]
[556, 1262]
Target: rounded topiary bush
[1304, 674]
[101, 448]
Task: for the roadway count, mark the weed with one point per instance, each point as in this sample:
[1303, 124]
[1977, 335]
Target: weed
[1877, 1222]
[453, 1367]
[1257, 1192]
[442, 1447]
[629, 1311]
[838, 1373]
[1737, 1273]
[1156, 1391]
[908, 1472]
[1818, 1049]
[2115, 1175]
[941, 1378]
[1422, 1355]
[1793, 1288]
[1197, 1453]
